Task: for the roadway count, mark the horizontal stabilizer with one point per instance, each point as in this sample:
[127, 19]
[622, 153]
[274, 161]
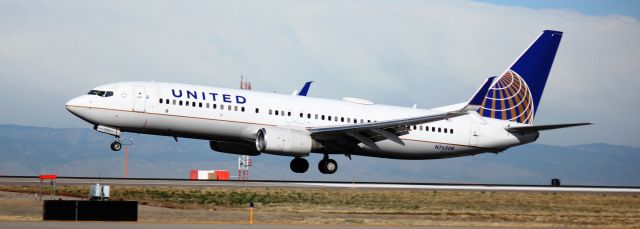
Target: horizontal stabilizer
[536, 128]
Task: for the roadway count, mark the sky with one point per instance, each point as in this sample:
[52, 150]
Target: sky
[429, 53]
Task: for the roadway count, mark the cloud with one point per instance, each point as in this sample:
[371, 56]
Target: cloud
[430, 53]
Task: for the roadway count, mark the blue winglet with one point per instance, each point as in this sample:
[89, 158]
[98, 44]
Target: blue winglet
[305, 89]
[482, 92]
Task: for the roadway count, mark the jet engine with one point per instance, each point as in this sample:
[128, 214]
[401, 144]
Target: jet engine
[233, 148]
[286, 142]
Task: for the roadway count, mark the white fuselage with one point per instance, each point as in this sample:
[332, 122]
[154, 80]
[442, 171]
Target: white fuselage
[213, 113]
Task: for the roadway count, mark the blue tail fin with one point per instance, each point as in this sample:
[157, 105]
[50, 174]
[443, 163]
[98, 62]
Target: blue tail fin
[515, 95]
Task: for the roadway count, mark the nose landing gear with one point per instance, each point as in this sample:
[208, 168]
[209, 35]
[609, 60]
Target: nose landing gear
[327, 166]
[116, 145]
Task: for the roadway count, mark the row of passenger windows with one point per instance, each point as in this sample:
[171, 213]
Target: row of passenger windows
[201, 104]
[317, 116]
[301, 115]
[433, 129]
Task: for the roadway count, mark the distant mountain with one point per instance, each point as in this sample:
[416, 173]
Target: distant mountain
[84, 152]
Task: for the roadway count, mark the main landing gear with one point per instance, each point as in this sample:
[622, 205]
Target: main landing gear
[326, 165]
[116, 145]
[299, 165]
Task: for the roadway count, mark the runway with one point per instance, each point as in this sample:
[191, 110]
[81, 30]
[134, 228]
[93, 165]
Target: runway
[33, 180]
[128, 225]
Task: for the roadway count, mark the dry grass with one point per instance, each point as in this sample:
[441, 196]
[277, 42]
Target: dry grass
[375, 207]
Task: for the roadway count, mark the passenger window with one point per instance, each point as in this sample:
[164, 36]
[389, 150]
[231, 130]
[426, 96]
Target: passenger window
[207, 105]
[193, 104]
[309, 116]
[329, 118]
[445, 130]
[277, 112]
[316, 116]
[257, 110]
[229, 107]
[215, 106]
[180, 103]
[451, 132]
[433, 129]
[199, 104]
[281, 113]
[221, 106]
[160, 101]
[348, 119]
[322, 117]
[421, 128]
[242, 109]
[368, 120]
[289, 113]
[166, 101]
[235, 108]
[439, 130]
[355, 120]
[361, 120]
[335, 118]
[174, 102]
[341, 119]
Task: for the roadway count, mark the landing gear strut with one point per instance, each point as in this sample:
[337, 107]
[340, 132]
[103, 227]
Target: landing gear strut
[299, 165]
[327, 166]
[116, 145]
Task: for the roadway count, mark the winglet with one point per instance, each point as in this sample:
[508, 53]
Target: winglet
[305, 89]
[476, 100]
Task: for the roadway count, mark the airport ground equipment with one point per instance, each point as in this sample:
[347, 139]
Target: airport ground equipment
[99, 192]
[52, 179]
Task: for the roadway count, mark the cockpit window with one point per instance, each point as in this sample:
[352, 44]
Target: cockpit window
[101, 93]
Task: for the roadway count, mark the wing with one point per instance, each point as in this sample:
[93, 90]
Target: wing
[370, 133]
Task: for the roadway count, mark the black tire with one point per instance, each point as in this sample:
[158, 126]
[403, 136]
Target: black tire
[116, 146]
[328, 166]
[299, 165]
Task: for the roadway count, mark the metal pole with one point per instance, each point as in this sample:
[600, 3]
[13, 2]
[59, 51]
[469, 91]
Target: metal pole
[126, 161]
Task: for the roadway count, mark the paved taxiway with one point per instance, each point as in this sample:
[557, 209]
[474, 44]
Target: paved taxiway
[12, 180]
[133, 225]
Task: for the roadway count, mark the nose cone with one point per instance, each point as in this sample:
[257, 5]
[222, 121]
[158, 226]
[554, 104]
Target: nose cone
[73, 105]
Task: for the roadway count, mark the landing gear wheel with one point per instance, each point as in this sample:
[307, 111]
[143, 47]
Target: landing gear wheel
[116, 146]
[328, 166]
[299, 165]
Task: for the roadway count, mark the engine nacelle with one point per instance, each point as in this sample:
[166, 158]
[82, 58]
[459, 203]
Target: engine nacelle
[233, 148]
[286, 142]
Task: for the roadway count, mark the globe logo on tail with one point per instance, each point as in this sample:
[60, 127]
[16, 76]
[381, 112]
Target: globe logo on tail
[509, 98]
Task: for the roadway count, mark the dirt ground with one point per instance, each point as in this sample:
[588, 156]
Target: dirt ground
[379, 207]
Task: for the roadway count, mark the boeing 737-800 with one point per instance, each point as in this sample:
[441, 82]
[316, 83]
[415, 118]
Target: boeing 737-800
[498, 116]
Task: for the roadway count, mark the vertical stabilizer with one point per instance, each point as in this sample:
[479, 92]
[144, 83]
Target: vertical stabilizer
[515, 95]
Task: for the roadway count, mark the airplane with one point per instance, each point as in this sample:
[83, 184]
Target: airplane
[498, 116]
